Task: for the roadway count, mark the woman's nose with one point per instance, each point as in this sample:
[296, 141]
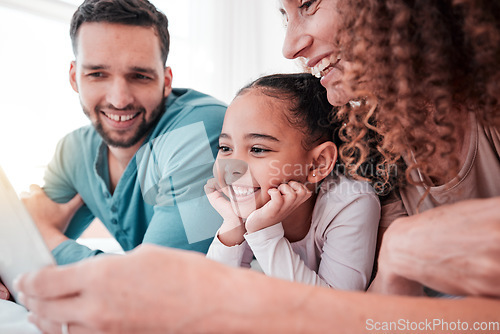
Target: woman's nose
[296, 41]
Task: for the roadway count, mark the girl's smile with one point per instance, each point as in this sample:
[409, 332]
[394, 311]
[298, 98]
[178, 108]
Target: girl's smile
[257, 147]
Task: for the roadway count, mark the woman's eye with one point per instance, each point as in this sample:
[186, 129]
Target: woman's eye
[307, 5]
[284, 18]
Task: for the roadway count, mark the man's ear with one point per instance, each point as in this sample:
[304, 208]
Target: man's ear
[72, 76]
[168, 81]
[324, 157]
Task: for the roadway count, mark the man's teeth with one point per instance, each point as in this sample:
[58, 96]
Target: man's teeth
[119, 118]
[243, 191]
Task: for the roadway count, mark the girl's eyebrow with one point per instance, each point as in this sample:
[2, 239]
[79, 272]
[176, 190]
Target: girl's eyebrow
[261, 136]
[252, 136]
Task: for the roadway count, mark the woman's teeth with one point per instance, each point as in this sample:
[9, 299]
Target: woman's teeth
[321, 68]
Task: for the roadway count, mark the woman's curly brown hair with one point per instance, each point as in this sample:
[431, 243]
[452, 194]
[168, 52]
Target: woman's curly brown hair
[417, 65]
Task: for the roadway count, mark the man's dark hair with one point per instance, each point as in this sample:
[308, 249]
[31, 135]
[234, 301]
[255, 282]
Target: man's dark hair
[130, 12]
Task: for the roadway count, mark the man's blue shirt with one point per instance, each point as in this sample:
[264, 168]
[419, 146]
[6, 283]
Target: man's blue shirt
[159, 198]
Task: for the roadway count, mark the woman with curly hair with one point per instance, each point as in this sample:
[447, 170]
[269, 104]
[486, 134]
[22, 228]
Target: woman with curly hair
[423, 75]
[417, 82]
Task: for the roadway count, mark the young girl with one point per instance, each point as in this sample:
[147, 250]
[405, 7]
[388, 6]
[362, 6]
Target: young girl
[277, 191]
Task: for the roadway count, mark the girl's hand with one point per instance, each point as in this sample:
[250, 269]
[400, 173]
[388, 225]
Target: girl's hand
[284, 200]
[232, 229]
[219, 202]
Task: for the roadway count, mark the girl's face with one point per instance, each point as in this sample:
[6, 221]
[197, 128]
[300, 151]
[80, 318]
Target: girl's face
[259, 150]
[311, 29]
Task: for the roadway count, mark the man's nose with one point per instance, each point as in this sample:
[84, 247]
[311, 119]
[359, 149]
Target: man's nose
[119, 94]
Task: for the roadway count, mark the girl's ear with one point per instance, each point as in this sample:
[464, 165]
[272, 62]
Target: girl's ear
[324, 157]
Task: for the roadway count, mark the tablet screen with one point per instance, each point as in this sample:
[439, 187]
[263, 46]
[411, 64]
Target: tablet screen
[22, 248]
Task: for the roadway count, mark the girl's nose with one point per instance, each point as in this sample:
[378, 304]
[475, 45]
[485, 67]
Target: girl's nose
[230, 170]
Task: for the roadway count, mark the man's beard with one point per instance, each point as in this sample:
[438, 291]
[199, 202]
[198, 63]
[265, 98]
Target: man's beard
[140, 132]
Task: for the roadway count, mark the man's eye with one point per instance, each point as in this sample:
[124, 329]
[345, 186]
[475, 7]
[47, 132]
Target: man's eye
[96, 74]
[142, 77]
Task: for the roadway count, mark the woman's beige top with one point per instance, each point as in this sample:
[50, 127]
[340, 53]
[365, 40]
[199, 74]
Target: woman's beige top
[479, 177]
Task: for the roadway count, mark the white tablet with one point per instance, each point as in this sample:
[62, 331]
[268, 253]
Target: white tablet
[22, 248]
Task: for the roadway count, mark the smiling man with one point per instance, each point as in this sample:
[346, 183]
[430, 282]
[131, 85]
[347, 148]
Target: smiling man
[141, 165]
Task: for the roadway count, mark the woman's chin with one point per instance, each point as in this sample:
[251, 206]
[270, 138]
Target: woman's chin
[337, 97]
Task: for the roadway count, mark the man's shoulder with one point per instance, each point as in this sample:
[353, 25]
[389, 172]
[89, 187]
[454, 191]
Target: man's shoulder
[83, 135]
[187, 106]
[190, 98]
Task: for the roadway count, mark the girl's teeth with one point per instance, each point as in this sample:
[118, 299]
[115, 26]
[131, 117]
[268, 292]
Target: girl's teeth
[243, 191]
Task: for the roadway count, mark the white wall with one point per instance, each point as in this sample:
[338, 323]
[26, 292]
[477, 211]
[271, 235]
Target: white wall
[217, 46]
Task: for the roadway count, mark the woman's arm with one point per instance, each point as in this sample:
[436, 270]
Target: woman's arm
[454, 249]
[159, 290]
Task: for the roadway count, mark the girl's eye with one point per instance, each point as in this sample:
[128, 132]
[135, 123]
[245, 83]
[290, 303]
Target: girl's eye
[258, 150]
[223, 148]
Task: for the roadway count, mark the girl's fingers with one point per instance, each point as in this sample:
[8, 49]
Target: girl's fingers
[211, 186]
[294, 192]
[300, 189]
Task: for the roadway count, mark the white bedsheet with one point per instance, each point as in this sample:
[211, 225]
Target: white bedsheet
[14, 319]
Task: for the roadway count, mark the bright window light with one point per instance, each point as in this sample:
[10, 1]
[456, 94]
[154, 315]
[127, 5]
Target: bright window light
[217, 46]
